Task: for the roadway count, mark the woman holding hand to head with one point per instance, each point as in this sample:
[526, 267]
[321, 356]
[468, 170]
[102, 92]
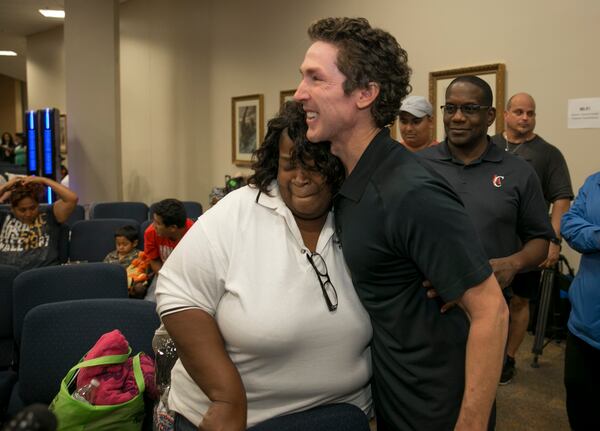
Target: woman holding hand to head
[29, 234]
[260, 305]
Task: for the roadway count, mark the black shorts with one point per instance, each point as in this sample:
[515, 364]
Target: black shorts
[526, 285]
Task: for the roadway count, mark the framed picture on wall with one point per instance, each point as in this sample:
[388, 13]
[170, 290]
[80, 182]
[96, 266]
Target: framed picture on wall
[493, 74]
[247, 113]
[286, 96]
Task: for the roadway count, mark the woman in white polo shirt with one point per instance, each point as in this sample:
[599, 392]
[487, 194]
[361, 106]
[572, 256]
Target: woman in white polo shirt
[258, 299]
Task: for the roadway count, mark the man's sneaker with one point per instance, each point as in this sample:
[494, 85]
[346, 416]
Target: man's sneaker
[508, 371]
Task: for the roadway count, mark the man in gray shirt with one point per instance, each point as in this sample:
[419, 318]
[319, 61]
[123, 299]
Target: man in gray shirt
[550, 166]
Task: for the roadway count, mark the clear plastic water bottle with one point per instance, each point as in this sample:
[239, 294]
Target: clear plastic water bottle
[164, 419]
[87, 393]
[165, 356]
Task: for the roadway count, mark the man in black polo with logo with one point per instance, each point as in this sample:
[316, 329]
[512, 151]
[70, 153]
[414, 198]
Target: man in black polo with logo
[400, 224]
[501, 191]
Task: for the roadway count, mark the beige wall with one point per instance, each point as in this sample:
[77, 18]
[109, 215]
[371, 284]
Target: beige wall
[11, 104]
[46, 70]
[13, 66]
[19, 109]
[8, 117]
[91, 35]
[164, 100]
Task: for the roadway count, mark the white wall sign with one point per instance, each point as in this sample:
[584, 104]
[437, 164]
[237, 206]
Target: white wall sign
[584, 113]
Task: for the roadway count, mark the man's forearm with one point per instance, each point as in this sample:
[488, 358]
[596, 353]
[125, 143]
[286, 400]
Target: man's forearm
[559, 208]
[532, 254]
[485, 352]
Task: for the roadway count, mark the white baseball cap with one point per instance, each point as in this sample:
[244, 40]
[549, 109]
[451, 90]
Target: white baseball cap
[417, 106]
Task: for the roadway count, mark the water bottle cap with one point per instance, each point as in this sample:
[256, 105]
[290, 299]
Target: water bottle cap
[161, 330]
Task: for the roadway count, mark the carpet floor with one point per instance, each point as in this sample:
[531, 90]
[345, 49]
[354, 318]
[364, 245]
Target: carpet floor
[535, 399]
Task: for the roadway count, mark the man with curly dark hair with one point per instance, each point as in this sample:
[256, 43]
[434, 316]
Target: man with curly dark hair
[402, 226]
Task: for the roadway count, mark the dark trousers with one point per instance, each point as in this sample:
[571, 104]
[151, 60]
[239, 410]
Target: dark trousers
[582, 382]
[331, 417]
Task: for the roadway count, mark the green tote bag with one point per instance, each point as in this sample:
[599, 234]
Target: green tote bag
[74, 415]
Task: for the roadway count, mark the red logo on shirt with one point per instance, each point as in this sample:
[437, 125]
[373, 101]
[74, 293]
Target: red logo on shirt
[497, 180]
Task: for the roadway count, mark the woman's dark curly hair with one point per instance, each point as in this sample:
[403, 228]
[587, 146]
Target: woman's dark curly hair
[20, 191]
[368, 54]
[291, 118]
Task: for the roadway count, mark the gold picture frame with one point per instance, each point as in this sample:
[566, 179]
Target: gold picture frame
[285, 96]
[247, 127]
[494, 74]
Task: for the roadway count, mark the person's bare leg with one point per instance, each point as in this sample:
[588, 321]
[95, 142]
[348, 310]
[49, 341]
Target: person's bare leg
[519, 320]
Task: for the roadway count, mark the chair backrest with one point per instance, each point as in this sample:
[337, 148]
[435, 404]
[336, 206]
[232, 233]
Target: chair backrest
[92, 240]
[63, 283]
[7, 276]
[10, 168]
[133, 210]
[143, 228]
[64, 243]
[77, 214]
[193, 209]
[56, 336]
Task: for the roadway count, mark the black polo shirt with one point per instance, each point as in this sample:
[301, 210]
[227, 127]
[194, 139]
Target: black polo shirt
[548, 163]
[501, 193]
[400, 223]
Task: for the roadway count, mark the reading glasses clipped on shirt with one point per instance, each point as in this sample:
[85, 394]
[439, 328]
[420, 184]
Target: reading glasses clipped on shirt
[467, 109]
[329, 292]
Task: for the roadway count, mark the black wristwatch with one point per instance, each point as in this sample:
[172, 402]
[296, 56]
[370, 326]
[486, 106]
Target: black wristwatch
[555, 240]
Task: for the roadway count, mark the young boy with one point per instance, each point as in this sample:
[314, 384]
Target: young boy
[126, 241]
